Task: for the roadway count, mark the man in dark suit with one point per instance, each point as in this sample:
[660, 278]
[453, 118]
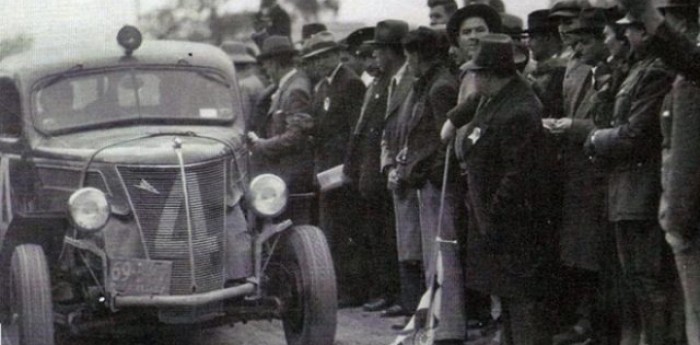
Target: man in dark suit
[420, 165]
[632, 150]
[510, 250]
[389, 54]
[674, 40]
[283, 145]
[335, 108]
[376, 209]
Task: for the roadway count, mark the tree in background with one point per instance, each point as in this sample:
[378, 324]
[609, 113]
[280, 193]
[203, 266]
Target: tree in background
[205, 20]
[15, 45]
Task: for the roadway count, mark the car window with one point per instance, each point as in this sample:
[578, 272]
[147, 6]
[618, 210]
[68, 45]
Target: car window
[134, 95]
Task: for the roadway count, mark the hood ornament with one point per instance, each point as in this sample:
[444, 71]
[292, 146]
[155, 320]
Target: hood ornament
[144, 185]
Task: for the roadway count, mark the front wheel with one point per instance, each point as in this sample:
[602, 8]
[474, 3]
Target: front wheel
[305, 282]
[30, 302]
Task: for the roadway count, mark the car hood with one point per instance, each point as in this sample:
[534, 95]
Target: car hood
[151, 145]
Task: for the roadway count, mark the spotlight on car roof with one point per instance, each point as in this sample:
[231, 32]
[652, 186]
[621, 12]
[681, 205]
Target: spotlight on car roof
[130, 38]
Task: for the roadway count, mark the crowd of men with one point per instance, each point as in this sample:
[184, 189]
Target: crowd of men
[556, 170]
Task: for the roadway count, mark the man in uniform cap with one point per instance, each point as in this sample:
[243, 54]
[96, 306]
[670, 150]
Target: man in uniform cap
[335, 108]
[673, 39]
[509, 246]
[631, 149]
[358, 55]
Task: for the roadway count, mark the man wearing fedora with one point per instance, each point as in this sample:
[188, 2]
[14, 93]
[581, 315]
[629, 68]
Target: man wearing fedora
[545, 46]
[631, 150]
[510, 248]
[390, 58]
[282, 143]
[335, 108]
[420, 166]
[361, 165]
[673, 38]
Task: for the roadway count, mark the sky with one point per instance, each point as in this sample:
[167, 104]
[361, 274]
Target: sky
[58, 22]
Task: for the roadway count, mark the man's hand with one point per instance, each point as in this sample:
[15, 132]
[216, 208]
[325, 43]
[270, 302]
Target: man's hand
[561, 126]
[392, 180]
[447, 132]
[252, 137]
[549, 123]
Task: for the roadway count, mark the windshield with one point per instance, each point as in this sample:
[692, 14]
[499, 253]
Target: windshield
[141, 96]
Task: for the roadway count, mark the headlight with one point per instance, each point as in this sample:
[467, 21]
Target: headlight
[89, 209]
[267, 195]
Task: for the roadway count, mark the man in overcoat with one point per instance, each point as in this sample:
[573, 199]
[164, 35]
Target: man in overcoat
[632, 150]
[389, 54]
[509, 247]
[586, 246]
[376, 213]
[420, 165]
[673, 39]
[336, 106]
[282, 144]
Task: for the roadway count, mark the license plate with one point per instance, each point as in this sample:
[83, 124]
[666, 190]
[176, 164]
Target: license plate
[140, 277]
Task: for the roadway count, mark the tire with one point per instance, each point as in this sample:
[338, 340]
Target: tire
[30, 301]
[310, 303]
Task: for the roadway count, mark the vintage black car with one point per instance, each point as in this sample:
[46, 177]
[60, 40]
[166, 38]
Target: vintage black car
[125, 198]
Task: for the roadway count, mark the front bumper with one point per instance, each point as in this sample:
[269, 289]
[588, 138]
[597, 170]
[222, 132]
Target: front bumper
[194, 300]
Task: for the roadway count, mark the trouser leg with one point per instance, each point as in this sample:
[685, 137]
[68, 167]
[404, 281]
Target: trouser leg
[411, 276]
[648, 274]
[688, 264]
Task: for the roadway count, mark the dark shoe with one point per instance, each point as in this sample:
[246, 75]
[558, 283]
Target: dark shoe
[349, 302]
[393, 311]
[401, 325]
[376, 304]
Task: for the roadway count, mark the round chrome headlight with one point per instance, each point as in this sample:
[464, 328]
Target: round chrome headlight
[89, 209]
[267, 195]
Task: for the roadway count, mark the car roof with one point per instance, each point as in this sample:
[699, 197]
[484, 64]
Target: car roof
[39, 62]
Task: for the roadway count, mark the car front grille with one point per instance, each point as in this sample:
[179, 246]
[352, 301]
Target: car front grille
[158, 200]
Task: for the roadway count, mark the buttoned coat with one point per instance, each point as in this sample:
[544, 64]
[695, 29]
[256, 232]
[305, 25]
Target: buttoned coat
[336, 108]
[510, 248]
[632, 147]
[362, 163]
[285, 131]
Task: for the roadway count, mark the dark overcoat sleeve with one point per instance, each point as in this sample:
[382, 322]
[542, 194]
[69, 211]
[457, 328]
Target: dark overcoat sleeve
[630, 139]
[298, 123]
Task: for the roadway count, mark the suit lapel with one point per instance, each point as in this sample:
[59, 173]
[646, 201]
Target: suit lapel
[277, 97]
[399, 95]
